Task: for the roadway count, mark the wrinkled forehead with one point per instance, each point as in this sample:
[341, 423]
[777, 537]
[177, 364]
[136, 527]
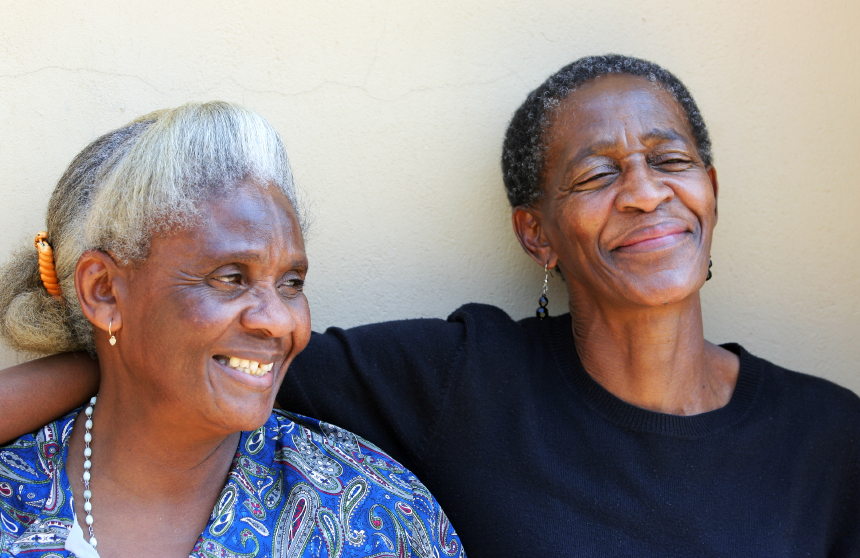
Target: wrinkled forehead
[615, 108]
[249, 217]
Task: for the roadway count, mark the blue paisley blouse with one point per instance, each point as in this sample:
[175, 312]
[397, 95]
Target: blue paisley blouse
[297, 487]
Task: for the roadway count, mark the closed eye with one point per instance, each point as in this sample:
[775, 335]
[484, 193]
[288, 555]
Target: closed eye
[600, 177]
[672, 164]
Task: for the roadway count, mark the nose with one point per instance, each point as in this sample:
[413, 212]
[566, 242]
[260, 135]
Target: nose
[641, 189]
[270, 314]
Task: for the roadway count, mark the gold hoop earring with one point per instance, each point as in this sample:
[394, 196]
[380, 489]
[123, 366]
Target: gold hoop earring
[112, 336]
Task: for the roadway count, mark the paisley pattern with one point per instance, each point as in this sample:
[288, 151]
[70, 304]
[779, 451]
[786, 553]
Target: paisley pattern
[298, 487]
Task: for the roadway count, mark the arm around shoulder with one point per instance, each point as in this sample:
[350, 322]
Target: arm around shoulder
[381, 381]
[34, 393]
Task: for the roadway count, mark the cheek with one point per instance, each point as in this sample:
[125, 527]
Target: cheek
[203, 315]
[586, 220]
[301, 313]
[698, 196]
[186, 319]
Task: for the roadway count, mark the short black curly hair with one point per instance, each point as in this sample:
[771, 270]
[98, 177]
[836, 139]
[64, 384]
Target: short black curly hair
[524, 148]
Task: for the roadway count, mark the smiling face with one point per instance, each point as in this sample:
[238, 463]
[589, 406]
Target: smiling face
[229, 288]
[628, 206]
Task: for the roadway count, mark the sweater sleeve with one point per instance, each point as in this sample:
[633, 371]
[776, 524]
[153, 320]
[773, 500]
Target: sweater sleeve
[386, 382]
[847, 536]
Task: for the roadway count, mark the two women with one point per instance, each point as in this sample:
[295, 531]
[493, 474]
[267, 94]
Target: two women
[615, 429]
[179, 261]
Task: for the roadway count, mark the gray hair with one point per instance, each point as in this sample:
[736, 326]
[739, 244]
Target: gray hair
[148, 177]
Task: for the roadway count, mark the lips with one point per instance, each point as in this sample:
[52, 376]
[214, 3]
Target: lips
[653, 237]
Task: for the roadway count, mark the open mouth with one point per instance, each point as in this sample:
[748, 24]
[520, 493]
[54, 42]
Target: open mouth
[250, 367]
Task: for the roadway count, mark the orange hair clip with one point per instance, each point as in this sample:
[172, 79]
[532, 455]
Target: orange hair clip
[46, 265]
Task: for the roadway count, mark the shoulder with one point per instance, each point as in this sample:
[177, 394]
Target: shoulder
[475, 311]
[495, 317]
[499, 342]
[33, 459]
[347, 481]
[427, 343]
[803, 397]
[33, 496]
[330, 456]
[493, 323]
[468, 314]
[393, 339]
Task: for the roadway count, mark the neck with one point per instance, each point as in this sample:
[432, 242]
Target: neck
[155, 453]
[655, 358]
[157, 471]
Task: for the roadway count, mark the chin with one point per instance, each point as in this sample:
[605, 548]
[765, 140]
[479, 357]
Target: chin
[245, 415]
[253, 424]
[248, 424]
[664, 290]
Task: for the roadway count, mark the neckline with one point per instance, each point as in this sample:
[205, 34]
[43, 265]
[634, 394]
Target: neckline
[629, 417]
[76, 541]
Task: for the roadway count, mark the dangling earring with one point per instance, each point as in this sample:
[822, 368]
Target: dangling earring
[542, 312]
[112, 339]
[710, 263]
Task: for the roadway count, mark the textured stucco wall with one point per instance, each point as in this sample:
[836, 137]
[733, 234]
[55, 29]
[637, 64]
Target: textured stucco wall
[393, 113]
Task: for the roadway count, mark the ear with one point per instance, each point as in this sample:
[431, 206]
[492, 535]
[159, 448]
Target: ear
[527, 227]
[712, 174]
[97, 279]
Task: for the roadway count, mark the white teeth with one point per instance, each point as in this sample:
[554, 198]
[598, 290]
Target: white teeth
[250, 367]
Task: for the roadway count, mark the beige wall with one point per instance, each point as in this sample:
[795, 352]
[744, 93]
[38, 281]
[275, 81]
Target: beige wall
[394, 111]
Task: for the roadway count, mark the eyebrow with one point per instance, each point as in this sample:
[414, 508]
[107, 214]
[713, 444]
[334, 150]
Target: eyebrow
[253, 257]
[244, 257]
[655, 134]
[664, 135]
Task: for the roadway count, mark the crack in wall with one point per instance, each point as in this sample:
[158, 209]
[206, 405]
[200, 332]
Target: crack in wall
[285, 94]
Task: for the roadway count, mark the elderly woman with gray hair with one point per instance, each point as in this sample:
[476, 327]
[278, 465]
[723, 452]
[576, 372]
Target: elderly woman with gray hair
[174, 252]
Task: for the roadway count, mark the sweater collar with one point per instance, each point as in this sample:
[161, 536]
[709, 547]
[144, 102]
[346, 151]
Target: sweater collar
[630, 417]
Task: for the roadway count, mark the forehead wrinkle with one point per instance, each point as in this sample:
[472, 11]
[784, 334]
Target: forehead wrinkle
[255, 250]
[626, 138]
[655, 136]
[249, 234]
[618, 120]
[612, 134]
[263, 240]
[662, 134]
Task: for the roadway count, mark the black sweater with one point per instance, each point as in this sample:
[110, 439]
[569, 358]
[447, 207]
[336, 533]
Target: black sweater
[529, 456]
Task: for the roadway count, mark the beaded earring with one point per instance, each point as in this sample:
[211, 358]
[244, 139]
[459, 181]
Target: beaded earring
[542, 312]
[710, 263]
